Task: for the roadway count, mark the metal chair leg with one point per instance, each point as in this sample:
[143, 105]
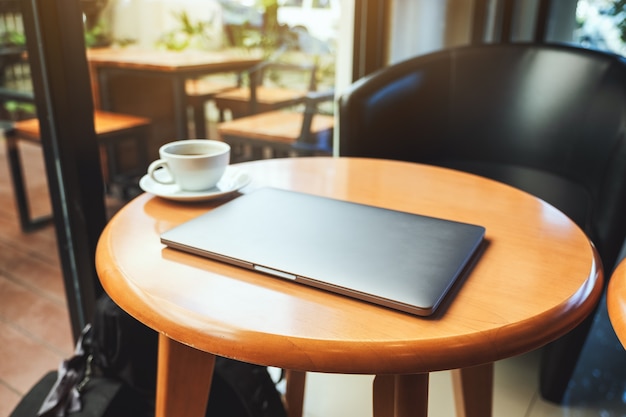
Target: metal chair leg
[27, 223]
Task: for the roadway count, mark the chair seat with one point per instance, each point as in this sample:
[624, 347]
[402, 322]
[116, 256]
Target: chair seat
[238, 100]
[265, 95]
[277, 134]
[205, 89]
[105, 123]
[275, 126]
[112, 131]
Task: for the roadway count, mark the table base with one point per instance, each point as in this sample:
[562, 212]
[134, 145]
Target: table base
[185, 374]
[184, 377]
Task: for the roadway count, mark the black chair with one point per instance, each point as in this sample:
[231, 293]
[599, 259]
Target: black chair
[548, 119]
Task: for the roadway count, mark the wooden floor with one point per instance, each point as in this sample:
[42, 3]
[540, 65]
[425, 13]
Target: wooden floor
[35, 330]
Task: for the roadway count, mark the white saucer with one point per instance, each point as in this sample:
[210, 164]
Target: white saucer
[233, 180]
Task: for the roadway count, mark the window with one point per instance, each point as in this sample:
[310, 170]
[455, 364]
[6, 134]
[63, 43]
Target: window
[321, 4]
[601, 24]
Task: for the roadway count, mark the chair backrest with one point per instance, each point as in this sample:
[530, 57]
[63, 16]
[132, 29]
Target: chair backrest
[307, 74]
[305, 79]
[549, 119]
[318, 140]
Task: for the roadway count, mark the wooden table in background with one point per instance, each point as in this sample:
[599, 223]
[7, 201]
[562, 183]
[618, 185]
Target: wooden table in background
[538, 277]
[152, 83]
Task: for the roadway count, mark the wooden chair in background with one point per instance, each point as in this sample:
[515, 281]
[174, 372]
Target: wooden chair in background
[281, 133]
[261, 96]
[113, 131]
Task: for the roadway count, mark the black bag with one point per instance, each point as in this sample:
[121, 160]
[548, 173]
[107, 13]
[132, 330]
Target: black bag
[74, 390]
[113, 373]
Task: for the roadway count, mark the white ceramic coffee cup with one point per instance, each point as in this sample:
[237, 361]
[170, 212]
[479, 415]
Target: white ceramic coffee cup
[192, 164]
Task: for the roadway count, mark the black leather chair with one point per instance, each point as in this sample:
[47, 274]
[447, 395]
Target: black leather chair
[549, 119]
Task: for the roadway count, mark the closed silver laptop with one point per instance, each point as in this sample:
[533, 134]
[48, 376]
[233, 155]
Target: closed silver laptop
[398, 260]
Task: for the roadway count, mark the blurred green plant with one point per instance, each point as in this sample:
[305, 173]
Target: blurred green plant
[98, 35]
[18, 110]
[13, 38]
[188, 34]
[269, 38]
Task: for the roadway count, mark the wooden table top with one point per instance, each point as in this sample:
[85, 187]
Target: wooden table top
[538, 277]
[616, 301]
[170, 61]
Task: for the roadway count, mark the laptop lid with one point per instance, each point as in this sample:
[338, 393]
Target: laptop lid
[399, 260]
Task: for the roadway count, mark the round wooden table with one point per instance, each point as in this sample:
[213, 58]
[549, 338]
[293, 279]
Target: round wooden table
[537, 278]
[616, 301]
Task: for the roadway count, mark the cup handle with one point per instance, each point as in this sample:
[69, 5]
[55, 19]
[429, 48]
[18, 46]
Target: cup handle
[160, 163]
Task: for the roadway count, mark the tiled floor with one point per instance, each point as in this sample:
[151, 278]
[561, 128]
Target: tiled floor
[35, 336]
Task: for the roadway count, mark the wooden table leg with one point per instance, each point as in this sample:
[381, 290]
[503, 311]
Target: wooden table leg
[473, 391]
[294, 394]
[384, 394]
[401, 395]
[184, 377]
